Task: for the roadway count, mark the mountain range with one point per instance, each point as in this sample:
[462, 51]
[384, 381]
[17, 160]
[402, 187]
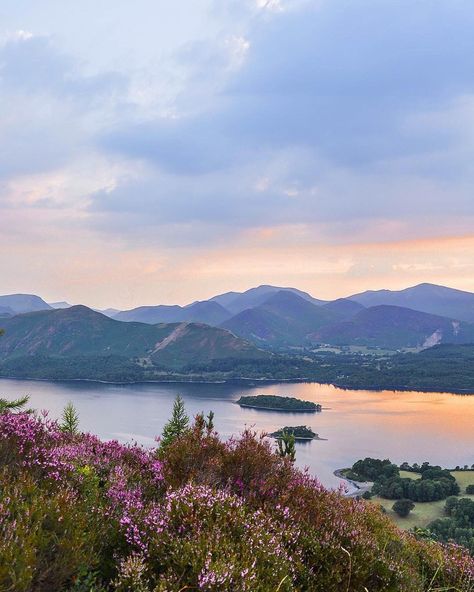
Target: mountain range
[81, 333]
[270, 317]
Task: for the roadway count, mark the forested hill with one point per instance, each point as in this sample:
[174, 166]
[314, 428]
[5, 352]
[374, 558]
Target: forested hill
[78, 333]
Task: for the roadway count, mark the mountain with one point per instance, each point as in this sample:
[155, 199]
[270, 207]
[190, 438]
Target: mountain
[284, 318]
[395, 327]
[208, 312]
[108, 312]
[344, 307]
[6, 311]
[198, 344]
[430, 298]
[20, 303]
[62, 304]
[81, 332]
[236, 302]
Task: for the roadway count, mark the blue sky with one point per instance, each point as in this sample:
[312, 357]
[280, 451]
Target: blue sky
[160, 152]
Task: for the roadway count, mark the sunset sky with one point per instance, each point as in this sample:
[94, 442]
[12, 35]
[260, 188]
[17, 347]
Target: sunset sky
[162, 152]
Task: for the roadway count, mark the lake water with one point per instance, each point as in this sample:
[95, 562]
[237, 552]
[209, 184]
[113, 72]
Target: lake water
[411, 426]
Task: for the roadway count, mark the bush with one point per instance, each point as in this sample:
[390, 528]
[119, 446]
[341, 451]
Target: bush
[78, 514]
[458, 527]
[470, 489]
[403, 507]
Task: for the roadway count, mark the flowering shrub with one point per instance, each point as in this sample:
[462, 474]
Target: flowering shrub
[81, 515]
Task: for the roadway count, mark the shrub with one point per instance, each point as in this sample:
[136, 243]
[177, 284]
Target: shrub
[470, 489]
[78, 514]
[403, 507]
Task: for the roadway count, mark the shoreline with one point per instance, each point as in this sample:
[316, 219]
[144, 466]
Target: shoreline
[360, 486]
[277, 409]
[392, 388]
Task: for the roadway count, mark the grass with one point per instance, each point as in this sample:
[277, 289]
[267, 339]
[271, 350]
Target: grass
[409, 475]
[464, 478]
[424, 512]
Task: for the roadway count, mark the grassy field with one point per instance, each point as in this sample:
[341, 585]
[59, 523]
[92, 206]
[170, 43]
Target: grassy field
[409, 475]
[426, 512]
[464, 478]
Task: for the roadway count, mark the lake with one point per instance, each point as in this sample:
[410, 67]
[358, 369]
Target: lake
[411, 426]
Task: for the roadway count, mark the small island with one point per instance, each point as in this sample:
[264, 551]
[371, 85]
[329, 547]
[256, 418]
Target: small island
[277, 403]
[299, 432]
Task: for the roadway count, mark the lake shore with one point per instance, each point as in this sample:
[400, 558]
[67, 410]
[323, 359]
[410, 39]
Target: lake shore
[250, 381]
[360, 486]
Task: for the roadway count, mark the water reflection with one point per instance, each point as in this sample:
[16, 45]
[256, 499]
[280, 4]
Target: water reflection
[410, 426]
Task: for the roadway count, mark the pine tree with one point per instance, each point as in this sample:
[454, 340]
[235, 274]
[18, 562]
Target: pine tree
[176, 426]
[16, 405]
[69, 420]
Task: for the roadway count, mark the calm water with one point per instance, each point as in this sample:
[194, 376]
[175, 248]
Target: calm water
[399, 425]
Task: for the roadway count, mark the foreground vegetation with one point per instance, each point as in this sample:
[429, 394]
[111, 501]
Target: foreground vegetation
[78, 514]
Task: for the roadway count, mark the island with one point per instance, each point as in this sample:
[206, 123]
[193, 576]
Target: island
[279, 403]
[299, 432]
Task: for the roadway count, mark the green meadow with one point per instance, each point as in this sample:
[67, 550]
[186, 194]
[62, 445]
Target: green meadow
[424, 512]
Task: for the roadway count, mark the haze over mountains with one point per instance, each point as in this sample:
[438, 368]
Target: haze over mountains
[282, 317]
[438, 300]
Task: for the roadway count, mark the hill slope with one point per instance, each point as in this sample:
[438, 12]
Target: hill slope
[211, 313]
[283, 319]
[20, 303]
[81, 332]
[430, 298]
[344, 307]
[395, 327]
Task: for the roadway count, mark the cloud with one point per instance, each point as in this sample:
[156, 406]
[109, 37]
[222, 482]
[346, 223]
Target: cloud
[302, 123]
[49, 109]
[357, 111]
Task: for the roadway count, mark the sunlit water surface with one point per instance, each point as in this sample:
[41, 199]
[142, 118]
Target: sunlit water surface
[411, 426]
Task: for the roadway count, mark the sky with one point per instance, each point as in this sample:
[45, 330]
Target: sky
[158, 152]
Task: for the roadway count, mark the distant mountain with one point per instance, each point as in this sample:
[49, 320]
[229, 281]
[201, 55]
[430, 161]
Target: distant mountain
[344, 307]
[236, 302]
[430, 298]
[108, 312]
[6, 311]
[62, 304]
[395, 327]
[285, 318]
[208, 312]
[81, 332]
[20, 303]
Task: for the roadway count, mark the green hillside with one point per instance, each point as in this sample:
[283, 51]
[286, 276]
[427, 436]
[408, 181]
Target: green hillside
[72, 341]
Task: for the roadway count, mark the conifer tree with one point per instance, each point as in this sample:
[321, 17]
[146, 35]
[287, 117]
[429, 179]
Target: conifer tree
[69, 420]
[16, 405]
[176, 426]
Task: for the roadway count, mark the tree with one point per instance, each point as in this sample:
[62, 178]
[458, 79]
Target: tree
[7, 406]
[69, 420]
[403, 507]
[176, 426]
[286, 445]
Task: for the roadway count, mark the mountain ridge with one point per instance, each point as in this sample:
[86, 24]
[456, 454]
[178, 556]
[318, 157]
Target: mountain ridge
[80, 331]
[395, 327]
[425, 297]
